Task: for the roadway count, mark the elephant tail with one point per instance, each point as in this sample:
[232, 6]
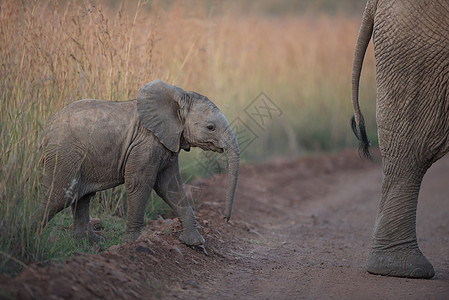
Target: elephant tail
[357, 121]
[360, 134]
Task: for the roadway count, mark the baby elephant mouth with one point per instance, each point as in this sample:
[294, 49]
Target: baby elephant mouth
[211, 147]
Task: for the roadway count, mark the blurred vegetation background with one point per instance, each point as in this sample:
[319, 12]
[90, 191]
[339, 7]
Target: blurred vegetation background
[298, 54]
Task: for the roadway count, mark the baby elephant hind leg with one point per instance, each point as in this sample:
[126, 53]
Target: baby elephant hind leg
[82, 226]
[56, 199]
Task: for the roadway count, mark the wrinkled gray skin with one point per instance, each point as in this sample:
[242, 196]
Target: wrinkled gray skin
[411, 47]
[93, 145]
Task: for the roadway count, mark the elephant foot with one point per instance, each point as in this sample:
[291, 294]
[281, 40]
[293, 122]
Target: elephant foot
[410, 263]
[95, 237]
[130, 236]
[89, 234]
[191, 238]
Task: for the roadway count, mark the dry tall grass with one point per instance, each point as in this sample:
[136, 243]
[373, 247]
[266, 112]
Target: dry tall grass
[53, 54]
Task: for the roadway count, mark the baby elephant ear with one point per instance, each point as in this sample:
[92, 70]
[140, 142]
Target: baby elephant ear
[157, 108]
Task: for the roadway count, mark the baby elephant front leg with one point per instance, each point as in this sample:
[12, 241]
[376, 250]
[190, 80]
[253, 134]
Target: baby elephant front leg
[136, 213]
[190, 235]
[169, 187]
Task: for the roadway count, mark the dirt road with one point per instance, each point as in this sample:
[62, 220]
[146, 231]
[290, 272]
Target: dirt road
[300, 230]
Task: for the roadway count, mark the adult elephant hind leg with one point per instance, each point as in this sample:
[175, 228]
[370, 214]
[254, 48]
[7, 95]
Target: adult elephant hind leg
[395, 250]
[82, 226]
[409, 262]
[169, 187]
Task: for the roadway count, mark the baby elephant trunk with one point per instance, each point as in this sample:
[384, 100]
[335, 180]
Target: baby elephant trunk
[233, 155]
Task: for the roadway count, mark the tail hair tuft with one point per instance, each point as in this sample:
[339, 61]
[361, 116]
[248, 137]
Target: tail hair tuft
[360, 134]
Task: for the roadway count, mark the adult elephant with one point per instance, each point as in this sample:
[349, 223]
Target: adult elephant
[411, 47]
[92, 145]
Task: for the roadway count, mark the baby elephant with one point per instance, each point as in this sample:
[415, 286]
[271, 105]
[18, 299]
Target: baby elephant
[93, 145]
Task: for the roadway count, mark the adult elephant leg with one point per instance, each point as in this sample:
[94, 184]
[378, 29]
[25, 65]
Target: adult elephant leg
[395, 250]
[82, 226]
[169, 187]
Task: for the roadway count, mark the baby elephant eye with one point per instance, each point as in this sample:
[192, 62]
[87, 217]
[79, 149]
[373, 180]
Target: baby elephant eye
[211, 127]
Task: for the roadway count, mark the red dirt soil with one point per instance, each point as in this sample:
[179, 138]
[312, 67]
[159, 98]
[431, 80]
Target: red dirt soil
[300, 229]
